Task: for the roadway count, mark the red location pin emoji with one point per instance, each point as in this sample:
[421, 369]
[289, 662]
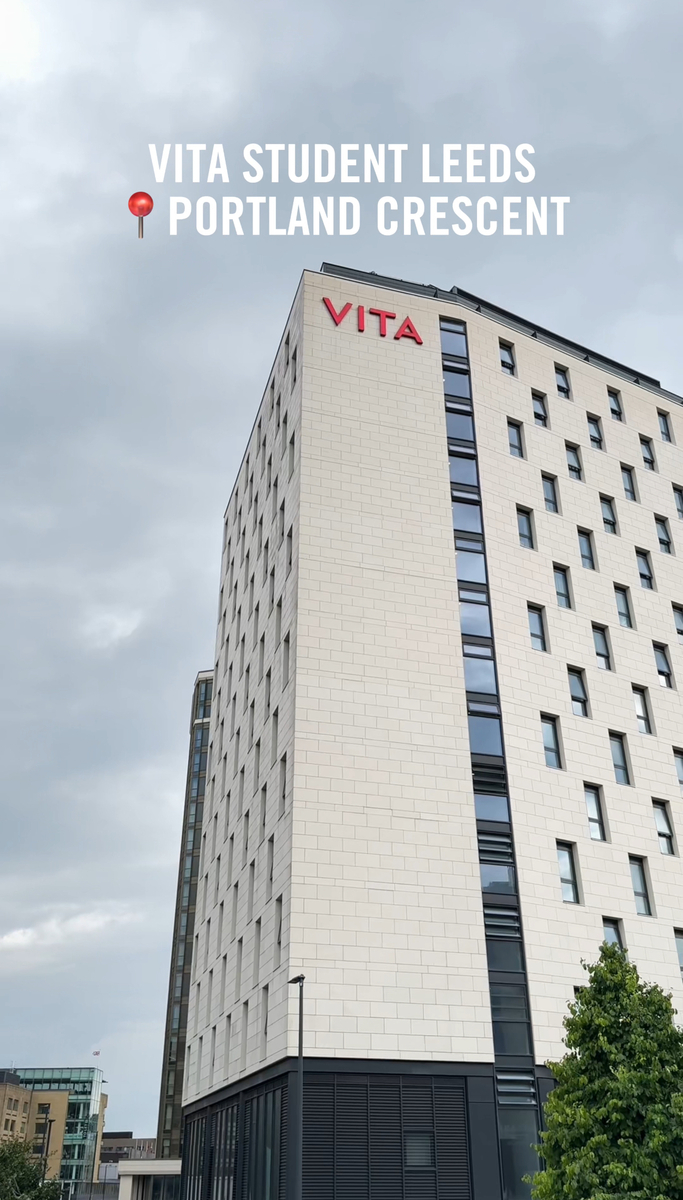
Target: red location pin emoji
[141, 205]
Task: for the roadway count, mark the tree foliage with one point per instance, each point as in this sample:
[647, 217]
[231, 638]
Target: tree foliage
[615, 1119]
[21, 1174]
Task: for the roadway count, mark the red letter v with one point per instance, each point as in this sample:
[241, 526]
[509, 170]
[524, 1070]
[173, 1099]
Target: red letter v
[337, 317]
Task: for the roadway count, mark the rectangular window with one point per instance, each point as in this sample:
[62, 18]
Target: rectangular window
[264, 990]
[664, 426]
[245, 838]
[250, 893]
[640, 890]
[577, 691]
[291, 456]
[663, 535]
[537, 627]
[515, 439]
[274, 734]
[453, 338]
[285, 661]
[550, 493]
[561, 575]
[266, 696]
[678, 762]
[574, 462]
[283, 783]
[551, 742]
[642, 710]
[678, 497]
[480, 671]
[238, 968]
[645, 569]
[507, 358]
[466, 516]
[565, 859]
[278, 622]
[616, 411]
[510, 1015]
[611, 930]
[595, 432]
[623, 606]
[601, 643]
[678, 935]
[245, 1034]
[233, 914]
[463, 472]
[648, 454]
[609, 516]
[270, 860]
[678, 620]
[596, 824]
[277, 940]
[617, 744]
[663, 665]
[485, 734]
[540, 407]
[289, 550]
[263, 812]
[525, 528]
[586, 549]
[257, 953]
[629, 482]
[456, 386]
[665, 832]
[562, 381]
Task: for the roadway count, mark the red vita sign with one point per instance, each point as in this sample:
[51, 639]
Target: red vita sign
[406, 329]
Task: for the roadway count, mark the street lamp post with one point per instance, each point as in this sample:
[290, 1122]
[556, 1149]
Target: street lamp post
[298, 1172]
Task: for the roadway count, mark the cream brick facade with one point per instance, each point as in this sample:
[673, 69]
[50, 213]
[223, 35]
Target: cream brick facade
[373, 842]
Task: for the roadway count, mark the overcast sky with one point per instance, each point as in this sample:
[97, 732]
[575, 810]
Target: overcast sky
[130, 373]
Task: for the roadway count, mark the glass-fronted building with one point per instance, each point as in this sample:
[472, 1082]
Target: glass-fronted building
[85, 1115]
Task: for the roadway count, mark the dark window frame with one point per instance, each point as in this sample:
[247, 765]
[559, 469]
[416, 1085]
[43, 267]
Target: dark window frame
[563, 382]
[515, 438]
[595, 433]
[569, 882]
[507, 365]
[640, 883]
[616, 408]
[597, 819]
[575, 465]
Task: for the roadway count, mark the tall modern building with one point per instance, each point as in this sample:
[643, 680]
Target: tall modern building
[169, 1127]
[446, 743]
[81, 1131]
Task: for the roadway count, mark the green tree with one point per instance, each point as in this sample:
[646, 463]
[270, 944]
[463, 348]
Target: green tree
[615, 1119]
[21, 1174]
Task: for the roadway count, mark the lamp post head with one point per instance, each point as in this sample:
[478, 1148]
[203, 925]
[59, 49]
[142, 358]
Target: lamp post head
[298, 979]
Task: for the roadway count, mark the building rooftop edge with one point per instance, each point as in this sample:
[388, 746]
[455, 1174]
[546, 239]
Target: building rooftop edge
[457, 295]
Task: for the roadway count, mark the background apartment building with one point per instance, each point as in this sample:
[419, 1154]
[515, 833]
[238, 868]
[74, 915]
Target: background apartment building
[445, 752]
[38, 1118]
[169, 1125]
